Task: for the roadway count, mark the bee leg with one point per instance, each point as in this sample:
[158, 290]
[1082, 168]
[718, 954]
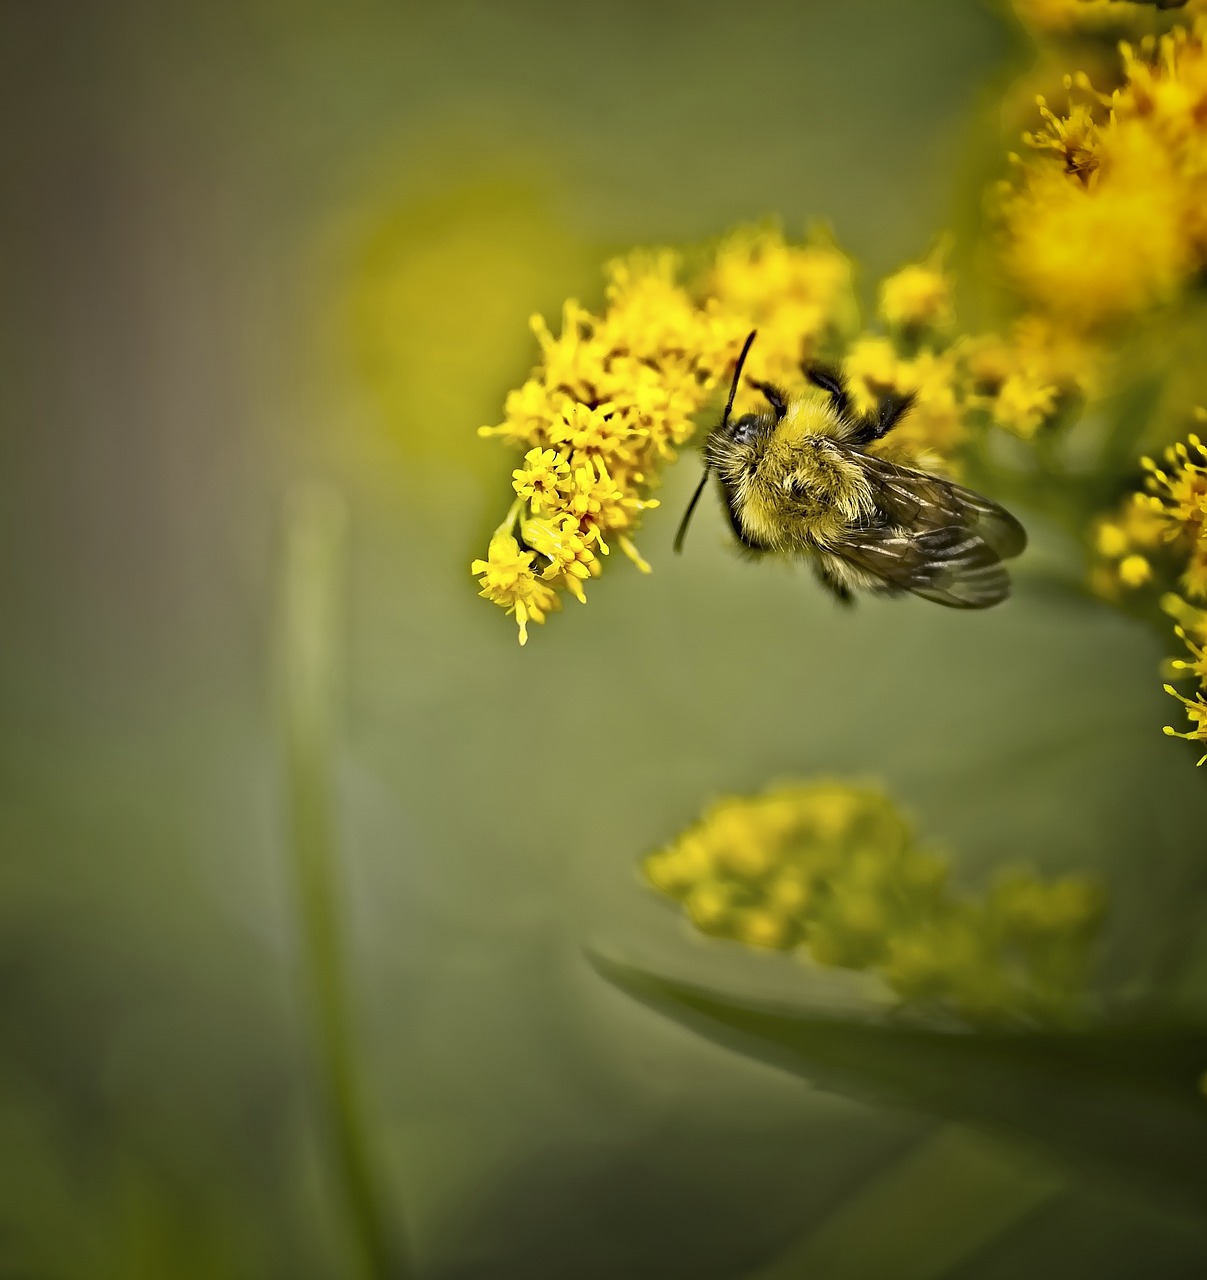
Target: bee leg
[775, 397]
[891, 409]
[830, 380]
[834, 583]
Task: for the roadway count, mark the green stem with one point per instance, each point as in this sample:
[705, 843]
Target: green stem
[314, 538]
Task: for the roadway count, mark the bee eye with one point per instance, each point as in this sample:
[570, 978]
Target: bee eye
[744, 429]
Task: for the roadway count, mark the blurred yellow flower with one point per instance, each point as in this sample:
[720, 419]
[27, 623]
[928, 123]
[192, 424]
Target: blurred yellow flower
[1119, 224]
[917, 297]
[1097, 252]
[797, 296]
[1023, 403]
[834, 870]
[872, 366]
[433, 286]
[1135, 571]
[1125, 545]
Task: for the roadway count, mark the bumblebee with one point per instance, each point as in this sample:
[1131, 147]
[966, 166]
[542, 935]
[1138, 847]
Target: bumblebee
[798, 480]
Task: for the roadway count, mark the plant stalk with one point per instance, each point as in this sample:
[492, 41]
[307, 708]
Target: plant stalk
[314, 547]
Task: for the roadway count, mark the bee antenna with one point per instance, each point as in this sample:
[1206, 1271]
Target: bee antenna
[733, 391]
[687, 515]
[737, 373]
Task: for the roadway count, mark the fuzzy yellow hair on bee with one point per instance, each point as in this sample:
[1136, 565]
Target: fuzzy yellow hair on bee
[798, 481]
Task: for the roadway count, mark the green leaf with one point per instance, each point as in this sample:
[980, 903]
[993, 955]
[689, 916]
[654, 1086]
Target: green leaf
[1121, 1100]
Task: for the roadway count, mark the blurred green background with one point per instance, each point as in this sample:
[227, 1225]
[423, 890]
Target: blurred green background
[243, 244]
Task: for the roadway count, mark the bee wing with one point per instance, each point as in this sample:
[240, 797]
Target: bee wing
[934, 538]
[948, 565]
[915, 500]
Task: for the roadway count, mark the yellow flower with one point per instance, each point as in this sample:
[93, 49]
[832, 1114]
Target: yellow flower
[1178, 496]
[1074, 138]
[1127, 546]
[507, 579]
[872, 367]
[1159, 535]
[595, 430]
[1024, 403]
[1120, 224]
[917, 297]
[592, 495]
[835, 870]
[1137, 525]
[935, 426]
[1038, 357]
[1097, 253]
[612, 397]
[1177, 502]
[1192, 631]
[1134, 571]
[538, 480]
[1196, 711]
[567, 549]
[795, 295]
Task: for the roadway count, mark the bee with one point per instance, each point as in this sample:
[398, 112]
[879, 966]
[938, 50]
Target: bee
[798, 480]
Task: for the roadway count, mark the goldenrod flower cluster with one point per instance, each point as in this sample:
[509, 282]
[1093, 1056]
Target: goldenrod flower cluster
[1022, 379]
[914, 354]
[1159, 535]
[1177, 498]
[1191, 629]
[835, 871]
[1159, 540]
[1108, 216]
[616, 395]
[1126, 545]
[613, 397]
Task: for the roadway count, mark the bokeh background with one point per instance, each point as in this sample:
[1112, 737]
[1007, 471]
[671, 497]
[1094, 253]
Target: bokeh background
[248, 244]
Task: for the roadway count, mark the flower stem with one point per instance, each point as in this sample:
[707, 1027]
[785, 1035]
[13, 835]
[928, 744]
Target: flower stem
[314, 540]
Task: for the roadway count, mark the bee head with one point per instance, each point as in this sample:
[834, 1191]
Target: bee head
[746, 429]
